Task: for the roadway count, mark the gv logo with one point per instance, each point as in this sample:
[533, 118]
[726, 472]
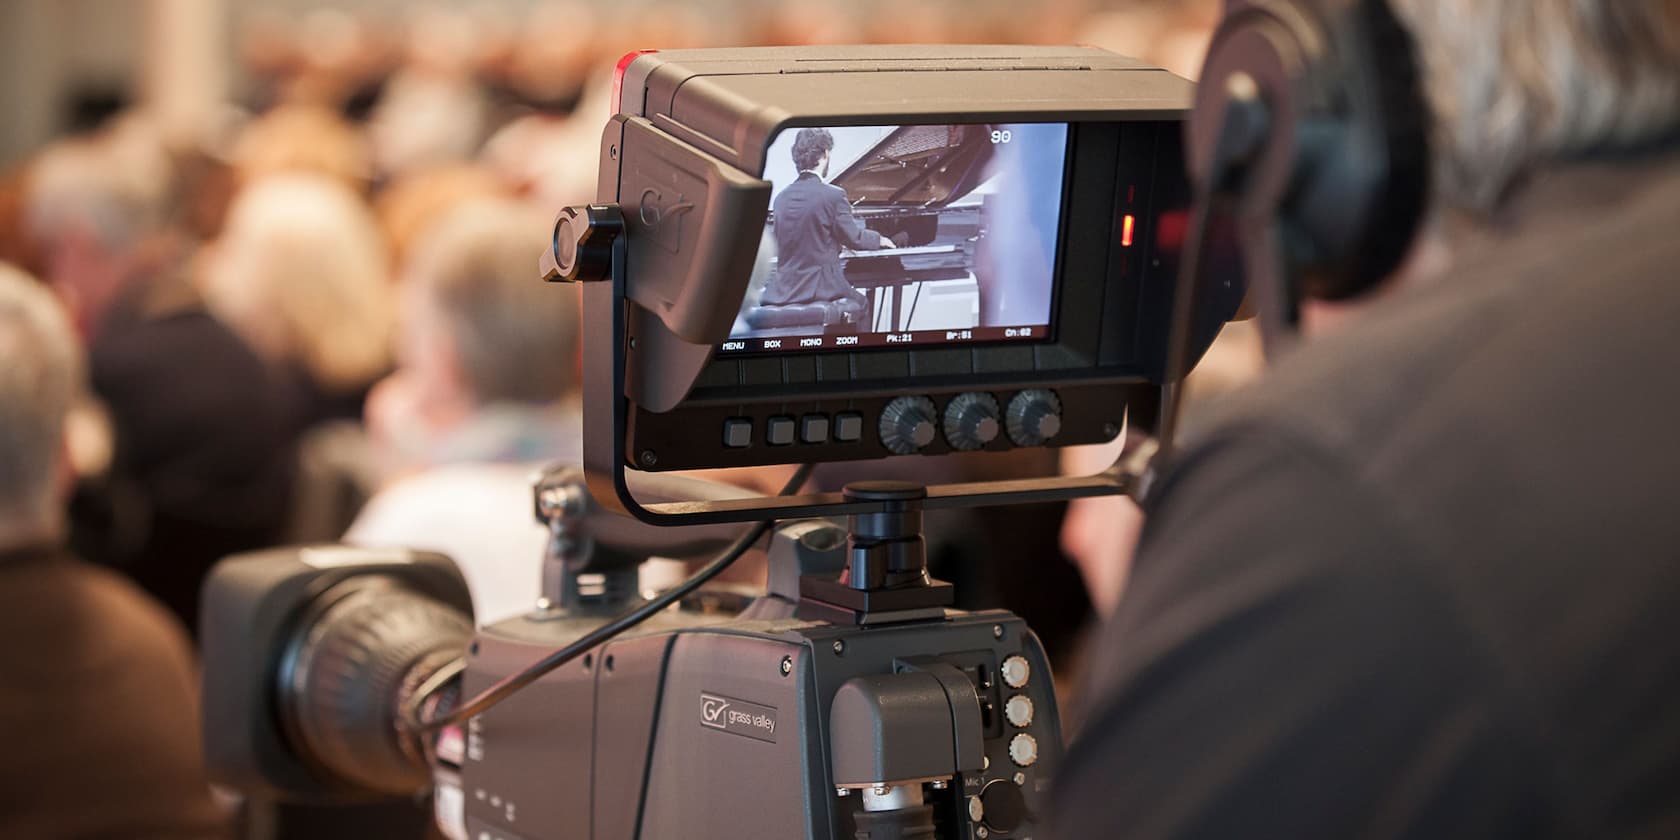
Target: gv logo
[654, 209]
[711, 711]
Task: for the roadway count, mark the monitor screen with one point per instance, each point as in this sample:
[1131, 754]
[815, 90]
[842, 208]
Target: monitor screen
[916, 235]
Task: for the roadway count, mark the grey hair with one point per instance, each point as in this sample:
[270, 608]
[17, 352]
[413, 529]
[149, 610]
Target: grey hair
[1517, 85]
[116, 193]
[38, 381]
[516, 339]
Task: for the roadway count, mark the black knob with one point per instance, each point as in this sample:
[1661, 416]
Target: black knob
[1034, 417]
[582, 246]
[907, 424]
[971, 420]
[1004, 805]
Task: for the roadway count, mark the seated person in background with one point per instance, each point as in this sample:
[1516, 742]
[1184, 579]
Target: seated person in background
[201, 463]
[301, 272]
[813, 222]
[100, 713]
[483, 395]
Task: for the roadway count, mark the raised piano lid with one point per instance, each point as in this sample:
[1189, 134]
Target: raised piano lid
[919, 166]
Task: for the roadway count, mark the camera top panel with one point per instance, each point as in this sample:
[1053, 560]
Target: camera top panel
[732, 102]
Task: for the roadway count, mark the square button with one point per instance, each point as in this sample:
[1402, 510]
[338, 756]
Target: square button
[737, 433]
[813, 428]
[848, 427]
[779, 431]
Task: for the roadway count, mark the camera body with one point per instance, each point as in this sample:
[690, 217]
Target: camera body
[769, 724]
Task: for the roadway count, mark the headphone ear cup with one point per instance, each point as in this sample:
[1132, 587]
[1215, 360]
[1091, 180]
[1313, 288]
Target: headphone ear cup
[1376, 55]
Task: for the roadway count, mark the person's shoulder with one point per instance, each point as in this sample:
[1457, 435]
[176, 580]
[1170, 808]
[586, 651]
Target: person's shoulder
[109, 618]
[442, 500]
[1513, 309]
[830, 191]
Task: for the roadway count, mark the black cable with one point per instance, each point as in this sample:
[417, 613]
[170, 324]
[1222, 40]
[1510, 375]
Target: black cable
[1185, 303]
[484, 700]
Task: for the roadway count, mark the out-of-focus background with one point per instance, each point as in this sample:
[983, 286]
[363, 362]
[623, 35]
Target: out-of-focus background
[267, 221]
[297, 242]
[198, 67]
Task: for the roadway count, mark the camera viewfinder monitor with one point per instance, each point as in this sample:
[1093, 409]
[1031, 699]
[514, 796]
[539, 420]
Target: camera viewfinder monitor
[906, 236]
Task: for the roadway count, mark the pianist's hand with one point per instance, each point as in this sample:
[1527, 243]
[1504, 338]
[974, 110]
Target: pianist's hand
[887, 243]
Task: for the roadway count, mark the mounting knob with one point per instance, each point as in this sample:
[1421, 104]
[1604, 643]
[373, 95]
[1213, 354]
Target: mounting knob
[581, 250]
[1034, 417]
[907, 424]
[971, 420]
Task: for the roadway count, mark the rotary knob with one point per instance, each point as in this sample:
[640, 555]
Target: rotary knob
[1018, 710]
[1023, 750]
[582, 246]
[971, 420]
[1034, 417]
[908, 424]
[1016, 671]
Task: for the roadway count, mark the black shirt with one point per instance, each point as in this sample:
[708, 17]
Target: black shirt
[1422, 582]
[203, 448]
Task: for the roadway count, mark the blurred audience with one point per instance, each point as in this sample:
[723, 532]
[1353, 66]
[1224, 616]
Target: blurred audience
[100, 725]
[431, 110]
[200, 465]
[300, 271]
[303, 138]
[484, 393]
[410, 205]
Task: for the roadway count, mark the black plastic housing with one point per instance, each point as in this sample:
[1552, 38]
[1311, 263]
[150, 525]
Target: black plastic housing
[254, 606]
[683, 162]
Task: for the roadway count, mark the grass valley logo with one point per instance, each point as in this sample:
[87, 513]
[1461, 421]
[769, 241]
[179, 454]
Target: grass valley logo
[738, 717]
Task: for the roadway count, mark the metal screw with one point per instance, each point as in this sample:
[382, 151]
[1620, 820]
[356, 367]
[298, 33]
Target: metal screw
[544, 604]
[787, 665]
[1020, 779]
[612, 152]
[839, 646]
[881, 790]
[1111, 430]
[981, 832]
[649, 458]
[997, 631]
[940, 784]
[840, 791]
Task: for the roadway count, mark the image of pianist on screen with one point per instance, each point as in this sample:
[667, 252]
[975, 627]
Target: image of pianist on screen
[927, 234]
[813, 222]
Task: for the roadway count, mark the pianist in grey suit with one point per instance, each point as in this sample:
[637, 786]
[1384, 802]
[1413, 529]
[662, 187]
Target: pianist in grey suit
[813, 222]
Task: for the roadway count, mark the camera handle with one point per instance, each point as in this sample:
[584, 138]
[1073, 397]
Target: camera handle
[877, 575]
[589, 248]
[593, 552]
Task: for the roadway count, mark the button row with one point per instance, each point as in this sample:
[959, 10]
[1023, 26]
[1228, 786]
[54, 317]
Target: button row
[782, 430]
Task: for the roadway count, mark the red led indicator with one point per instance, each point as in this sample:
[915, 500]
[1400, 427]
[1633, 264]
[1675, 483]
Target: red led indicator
[1127, 226]
[618, 77]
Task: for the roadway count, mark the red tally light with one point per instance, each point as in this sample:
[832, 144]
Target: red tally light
[1127, 226]
[618, 77]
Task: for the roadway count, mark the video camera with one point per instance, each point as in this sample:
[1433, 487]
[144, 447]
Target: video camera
[798, 256]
